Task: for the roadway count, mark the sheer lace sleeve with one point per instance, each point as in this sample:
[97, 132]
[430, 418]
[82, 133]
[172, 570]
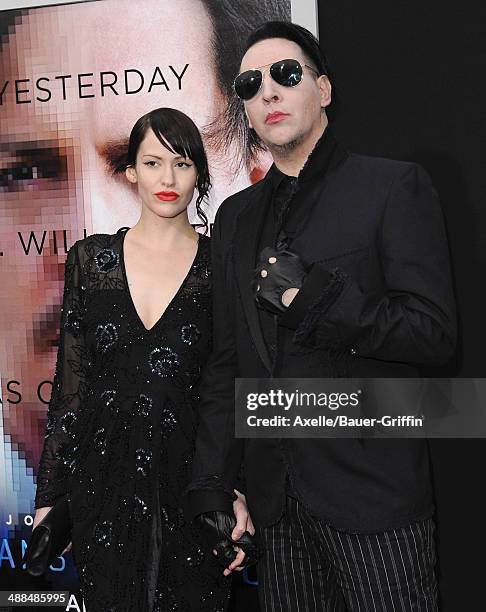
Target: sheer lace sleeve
[69, 388]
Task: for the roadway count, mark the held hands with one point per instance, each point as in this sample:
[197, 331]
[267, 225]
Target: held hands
[277, 279]
[231, 539]
[243, 530]
[40, 513]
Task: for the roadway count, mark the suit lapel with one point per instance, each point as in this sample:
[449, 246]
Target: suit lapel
[249, 226]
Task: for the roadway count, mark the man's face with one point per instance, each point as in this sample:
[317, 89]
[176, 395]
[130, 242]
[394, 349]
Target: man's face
[53, 175]
[300, 106]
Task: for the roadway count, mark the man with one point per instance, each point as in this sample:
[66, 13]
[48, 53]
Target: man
[335, 264]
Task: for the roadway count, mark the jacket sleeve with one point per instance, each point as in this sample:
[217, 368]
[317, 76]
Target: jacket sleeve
[414, 319]
[218, 456]
[69, 389]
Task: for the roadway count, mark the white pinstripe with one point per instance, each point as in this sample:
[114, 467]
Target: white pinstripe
[422, 540]
[425, 551]
[413, 566]
[431, 549]
[403, 564]
[350, 544]
[386, 573]
[349, 569]
[367, 575]
[395, 570]
[329, 577]
[284, 540]
[319, 547]
[344, 575]
[377, 575]
[420, 571]
[275, 562]
[302, 567]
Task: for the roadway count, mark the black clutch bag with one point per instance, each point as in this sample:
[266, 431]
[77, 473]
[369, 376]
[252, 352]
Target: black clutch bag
[49, 538]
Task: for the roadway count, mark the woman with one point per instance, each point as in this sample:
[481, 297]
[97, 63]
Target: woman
[121, 423]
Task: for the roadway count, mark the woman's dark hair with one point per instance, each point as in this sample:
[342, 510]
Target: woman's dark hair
[179, 134]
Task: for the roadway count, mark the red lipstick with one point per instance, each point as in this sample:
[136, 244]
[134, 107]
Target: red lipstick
[167, 196]
[275, 117]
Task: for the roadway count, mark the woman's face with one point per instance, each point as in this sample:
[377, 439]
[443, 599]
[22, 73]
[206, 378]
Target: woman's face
[165, 180]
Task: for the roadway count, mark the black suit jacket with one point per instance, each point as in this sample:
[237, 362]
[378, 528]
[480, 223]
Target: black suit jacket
[377, 302]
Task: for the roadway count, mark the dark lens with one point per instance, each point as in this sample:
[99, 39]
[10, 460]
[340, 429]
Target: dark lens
[248, 83]
[287, 72]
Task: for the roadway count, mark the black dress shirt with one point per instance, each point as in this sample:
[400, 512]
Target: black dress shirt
[286, 213]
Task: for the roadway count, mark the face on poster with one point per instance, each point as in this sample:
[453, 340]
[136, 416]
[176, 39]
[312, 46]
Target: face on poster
[74, 79]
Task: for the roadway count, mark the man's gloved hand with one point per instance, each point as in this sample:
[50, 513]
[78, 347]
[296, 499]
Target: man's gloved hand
[276, 272]
[217, 527]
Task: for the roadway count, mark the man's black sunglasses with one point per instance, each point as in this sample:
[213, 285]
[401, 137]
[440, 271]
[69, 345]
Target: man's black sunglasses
[287, 72]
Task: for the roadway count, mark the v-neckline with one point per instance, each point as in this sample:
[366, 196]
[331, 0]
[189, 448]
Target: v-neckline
[174, 297]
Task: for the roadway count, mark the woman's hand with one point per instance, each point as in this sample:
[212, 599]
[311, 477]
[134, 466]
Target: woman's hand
[40, 513]
[68, 548]
[243, 519]
[243, 523]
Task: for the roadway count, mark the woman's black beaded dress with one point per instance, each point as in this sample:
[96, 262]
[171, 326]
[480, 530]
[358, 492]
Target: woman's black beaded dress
[120, 435]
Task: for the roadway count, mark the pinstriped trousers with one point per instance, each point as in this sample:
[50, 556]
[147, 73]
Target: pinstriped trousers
[309, 566]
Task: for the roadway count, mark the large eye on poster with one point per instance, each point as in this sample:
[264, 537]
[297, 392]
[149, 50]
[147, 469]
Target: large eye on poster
[74, 78]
